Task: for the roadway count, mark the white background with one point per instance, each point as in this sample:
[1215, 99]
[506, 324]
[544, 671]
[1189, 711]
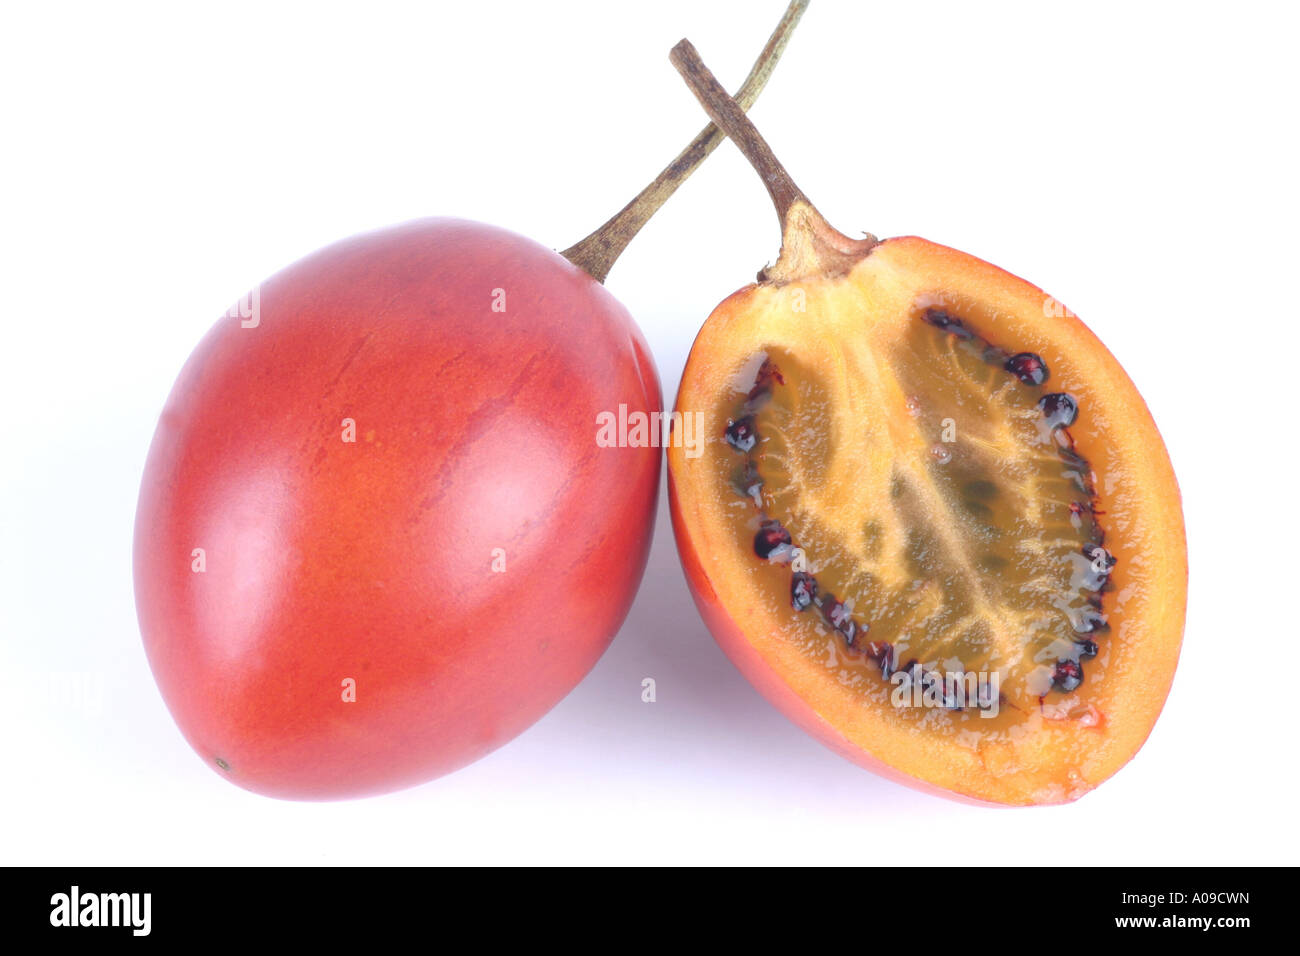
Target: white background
[1138, 161]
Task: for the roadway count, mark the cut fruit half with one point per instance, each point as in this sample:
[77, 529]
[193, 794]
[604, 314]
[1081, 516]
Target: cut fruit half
[932, 519]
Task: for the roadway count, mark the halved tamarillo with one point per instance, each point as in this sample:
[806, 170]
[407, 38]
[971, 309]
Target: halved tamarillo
[933, 520]
[377, 536]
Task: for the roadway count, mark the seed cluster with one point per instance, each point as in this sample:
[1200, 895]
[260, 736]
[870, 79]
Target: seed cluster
[1059, 411]
[774, 543]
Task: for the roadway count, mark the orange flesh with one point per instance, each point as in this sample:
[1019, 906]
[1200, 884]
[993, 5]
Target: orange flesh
[927, 494]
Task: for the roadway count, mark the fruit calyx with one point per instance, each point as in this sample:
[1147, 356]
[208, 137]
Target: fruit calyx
[810, 246]
[597, 253]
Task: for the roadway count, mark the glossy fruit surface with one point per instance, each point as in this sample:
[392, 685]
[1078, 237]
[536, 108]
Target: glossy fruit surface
[377, 537]
[934, 521]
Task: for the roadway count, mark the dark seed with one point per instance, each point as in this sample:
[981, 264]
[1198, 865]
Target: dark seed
[940, 319]
[927, 677]
[740, 434]
[1059, 409]
[840, 619]
[1095, 581]
[751, 483]
[1096, 574]
[768, 375]
[1075, 461]
[1102, 560]
[770, 537]
[803, 588]
[1087, 649]
[1080, 508]
[949, 323]
[1090, 621]
[1027, 367]
[882, 652]
[1068, 675]
[951, 689]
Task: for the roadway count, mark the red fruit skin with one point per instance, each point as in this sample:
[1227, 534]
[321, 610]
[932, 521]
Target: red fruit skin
[372, 561]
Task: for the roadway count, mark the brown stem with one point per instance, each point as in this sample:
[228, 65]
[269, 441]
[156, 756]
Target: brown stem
[809, 244]
[731, 119]
[597, 253]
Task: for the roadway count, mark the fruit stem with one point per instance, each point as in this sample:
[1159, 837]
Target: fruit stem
[809, 244]
[727, 115]
[597, 253]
